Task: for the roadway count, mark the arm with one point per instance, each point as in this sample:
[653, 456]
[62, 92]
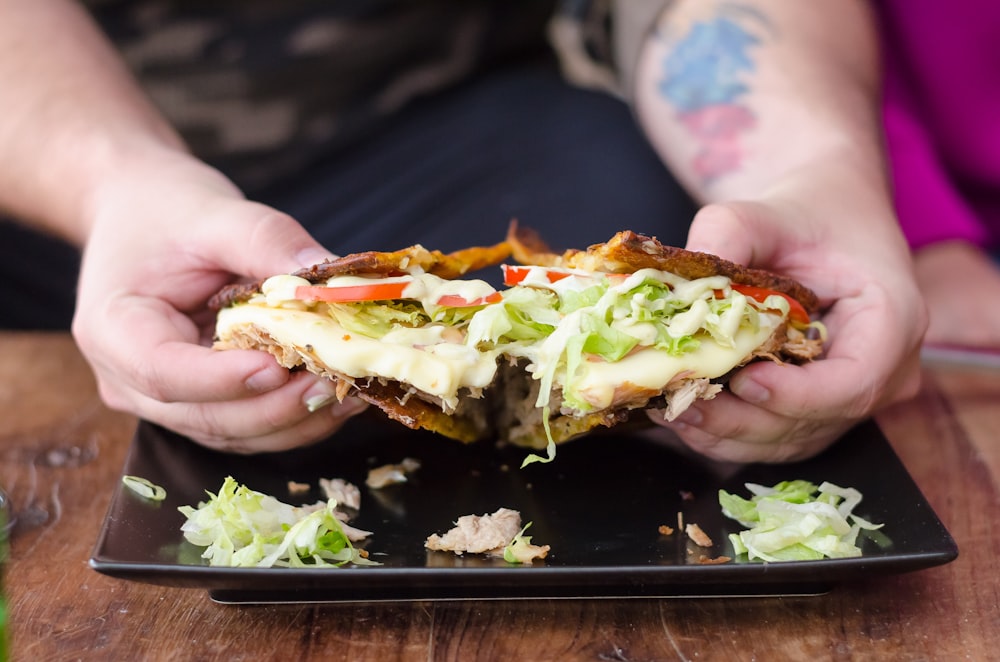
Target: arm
[97, 165]
[777, 132]
[62, 93]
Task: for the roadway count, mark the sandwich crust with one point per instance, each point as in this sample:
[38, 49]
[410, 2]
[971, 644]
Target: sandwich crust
[630, 251]
[375, 263]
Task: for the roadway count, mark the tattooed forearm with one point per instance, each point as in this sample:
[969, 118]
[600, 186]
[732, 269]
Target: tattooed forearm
[706, 77]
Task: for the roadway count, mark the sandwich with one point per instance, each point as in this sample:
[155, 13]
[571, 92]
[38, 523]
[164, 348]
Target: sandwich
[573, 341]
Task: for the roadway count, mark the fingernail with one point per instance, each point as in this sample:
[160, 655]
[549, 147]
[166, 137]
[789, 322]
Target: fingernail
[319, 395]
[749, 390]
[266, 379]
[690, 416]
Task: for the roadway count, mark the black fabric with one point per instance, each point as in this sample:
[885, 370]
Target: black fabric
[448, 172]
[453, 170]
[260, 87]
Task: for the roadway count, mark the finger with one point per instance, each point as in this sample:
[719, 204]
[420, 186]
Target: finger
[271, 242]
[150, 348]
[182, 372]
[317, 426]
[745, 233]
[728, 429]
[853, 380]
[724, 230]
[296, 414]
[727, 417]
[730, 449]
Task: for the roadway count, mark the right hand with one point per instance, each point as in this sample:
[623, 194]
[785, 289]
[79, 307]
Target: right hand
[165, 234]
[961, 285]
[847, 248]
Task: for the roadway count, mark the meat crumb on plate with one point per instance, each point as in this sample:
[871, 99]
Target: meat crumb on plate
[487, 534]
[344, 493]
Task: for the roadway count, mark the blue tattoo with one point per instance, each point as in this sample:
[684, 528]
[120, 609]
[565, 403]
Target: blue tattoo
[704, 69]
[703, 78]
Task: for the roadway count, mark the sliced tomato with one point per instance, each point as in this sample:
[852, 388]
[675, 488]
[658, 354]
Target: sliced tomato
[513, 275]
[760, 294]
[458, 301]
[377, 291]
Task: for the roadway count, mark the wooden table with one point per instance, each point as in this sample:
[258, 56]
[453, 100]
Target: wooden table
[61, 453]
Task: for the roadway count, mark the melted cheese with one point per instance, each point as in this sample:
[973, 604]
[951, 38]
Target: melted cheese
[652, 369]
[418, 357]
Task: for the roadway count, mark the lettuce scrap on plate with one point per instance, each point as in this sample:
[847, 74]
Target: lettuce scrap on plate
[239, 527]
[796, 521]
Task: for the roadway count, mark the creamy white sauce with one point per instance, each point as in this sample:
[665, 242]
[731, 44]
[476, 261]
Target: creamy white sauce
[688, 322]
[575, 280]
[279, 291]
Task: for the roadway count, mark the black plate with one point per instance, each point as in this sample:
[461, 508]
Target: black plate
[599, 507]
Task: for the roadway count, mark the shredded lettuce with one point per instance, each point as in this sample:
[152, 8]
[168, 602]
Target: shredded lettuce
[550, 448]
[609, 317]
[144, 488]
[570, 300]
[520, 548]
[602, 339]
[796, 521]
[524, 315]
[558, 326]
[244, 528]
[376, 318]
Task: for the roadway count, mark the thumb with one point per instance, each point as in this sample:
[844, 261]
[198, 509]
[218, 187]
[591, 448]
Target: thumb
[730, 231]
[274, 242]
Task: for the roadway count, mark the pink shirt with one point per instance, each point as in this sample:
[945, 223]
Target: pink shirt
[942, 117]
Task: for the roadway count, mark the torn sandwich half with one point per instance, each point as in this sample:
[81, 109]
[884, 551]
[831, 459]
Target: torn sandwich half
[575, 340]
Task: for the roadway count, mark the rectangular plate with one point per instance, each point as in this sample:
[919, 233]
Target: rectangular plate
[598, 505]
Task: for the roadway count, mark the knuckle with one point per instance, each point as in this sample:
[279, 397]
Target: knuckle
[149, 381]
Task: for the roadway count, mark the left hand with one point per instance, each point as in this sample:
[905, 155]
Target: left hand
[848, 249]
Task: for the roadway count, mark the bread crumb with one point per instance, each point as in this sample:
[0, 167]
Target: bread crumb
[390, 474]
[296, 488]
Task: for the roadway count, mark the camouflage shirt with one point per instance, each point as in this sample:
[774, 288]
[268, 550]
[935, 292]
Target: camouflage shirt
[259, 88]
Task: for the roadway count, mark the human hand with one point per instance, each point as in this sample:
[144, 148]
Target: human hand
[960, 284]
[165, 235]
[848, 250]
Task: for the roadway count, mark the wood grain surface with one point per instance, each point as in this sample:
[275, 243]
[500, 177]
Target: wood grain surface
[61, 453]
